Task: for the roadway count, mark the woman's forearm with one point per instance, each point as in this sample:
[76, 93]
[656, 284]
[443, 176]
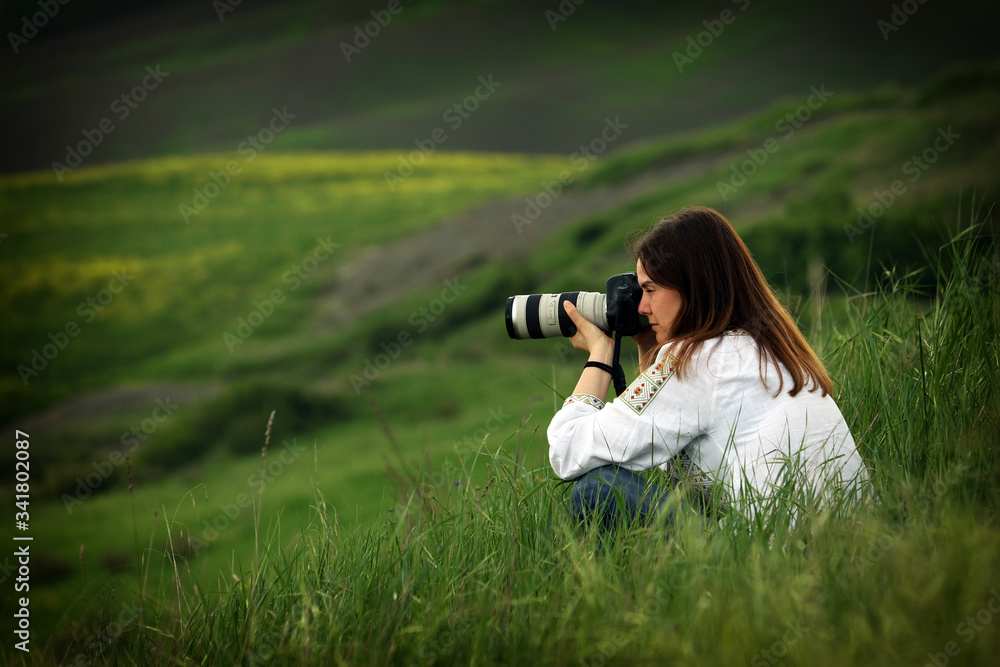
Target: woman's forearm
[596, 381]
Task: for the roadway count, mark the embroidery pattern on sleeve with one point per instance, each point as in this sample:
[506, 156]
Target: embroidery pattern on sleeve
[690, 472]
[644, 388]
[586, 399]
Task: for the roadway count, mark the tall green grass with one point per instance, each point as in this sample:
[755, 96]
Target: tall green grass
[479, 563]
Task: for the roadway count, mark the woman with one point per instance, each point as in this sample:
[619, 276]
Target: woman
[730, 394]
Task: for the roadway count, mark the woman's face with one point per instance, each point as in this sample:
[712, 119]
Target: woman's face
[659, 304]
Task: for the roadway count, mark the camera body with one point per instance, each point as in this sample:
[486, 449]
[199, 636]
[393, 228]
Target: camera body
[543, 316]
[623, 297]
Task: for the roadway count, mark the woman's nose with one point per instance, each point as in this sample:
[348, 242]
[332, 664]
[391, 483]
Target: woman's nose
[644, 308]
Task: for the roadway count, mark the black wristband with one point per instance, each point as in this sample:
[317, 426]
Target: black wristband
[602, 366]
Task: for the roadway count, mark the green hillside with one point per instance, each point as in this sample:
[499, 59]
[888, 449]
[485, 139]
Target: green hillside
[557, 78]
[429, 354]
[253, 262]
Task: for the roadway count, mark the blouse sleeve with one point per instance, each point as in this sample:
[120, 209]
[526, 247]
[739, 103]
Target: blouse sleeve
[655, 418]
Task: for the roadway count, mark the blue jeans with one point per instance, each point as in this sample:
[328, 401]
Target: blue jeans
[614, 496]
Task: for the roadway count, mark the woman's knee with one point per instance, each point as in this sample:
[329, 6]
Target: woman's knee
[591, 486]
[595, 491]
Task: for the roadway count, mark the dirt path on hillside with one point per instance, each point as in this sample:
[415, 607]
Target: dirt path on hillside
[485, 234]
[379, 275]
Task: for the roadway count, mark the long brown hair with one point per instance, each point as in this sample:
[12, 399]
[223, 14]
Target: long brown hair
[698, 253]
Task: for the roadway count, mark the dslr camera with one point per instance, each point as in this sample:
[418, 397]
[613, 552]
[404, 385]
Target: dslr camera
[543, 316]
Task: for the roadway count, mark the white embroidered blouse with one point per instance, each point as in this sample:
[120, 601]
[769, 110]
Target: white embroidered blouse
[720, 423]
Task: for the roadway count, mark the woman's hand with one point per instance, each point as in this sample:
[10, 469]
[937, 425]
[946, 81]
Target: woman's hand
[645, 339]
[589, 337]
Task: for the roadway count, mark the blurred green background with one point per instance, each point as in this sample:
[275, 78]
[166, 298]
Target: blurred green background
[309, 283]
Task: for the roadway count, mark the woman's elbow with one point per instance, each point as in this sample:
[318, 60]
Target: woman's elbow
[558, 458]
[561, 467]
